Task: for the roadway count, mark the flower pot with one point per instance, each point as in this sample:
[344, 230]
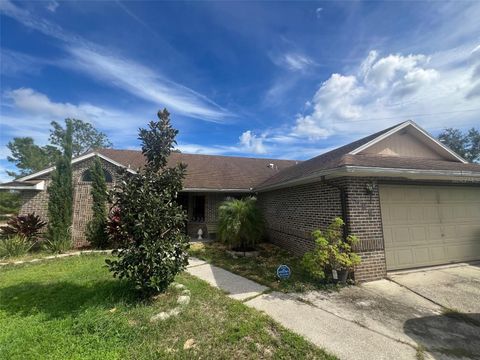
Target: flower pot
[340, 276]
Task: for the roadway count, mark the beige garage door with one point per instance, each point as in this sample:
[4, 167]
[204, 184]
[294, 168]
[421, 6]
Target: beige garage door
[430, 225]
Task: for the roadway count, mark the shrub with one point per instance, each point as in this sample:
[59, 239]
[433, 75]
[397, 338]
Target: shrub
[240, 223]
[58, 244]
[113, 228]
[28, 226]
[60, 197]
[331, 252]
[14, 246]
[96, 228]
[150, 228]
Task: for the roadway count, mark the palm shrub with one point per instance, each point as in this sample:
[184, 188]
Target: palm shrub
[150, 222]
[332, 251]
[240, 223]
[28, 226]
[96, 228]
[60, 198]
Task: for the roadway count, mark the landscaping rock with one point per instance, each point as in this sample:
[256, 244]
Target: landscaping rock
[190, 343]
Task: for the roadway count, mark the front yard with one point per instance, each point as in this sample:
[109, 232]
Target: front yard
[73, 309]
[261, 269]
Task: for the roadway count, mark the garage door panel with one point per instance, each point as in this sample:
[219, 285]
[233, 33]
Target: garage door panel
[430, 225]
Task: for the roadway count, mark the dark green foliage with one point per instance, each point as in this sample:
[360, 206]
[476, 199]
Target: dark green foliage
[9, 202]
[114, 229]
[332, 251]
[154, 248]
[28, 226]
[240, 223]
[467, 144]
[14, 246]
[29, 157]
[96, 228]
[85, 137]
[60, 201]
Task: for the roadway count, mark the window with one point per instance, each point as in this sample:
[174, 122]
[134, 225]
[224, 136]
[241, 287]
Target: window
[87, 176]
[198, 208]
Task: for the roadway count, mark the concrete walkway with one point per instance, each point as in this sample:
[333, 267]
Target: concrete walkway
[236, 286]
[339, 336]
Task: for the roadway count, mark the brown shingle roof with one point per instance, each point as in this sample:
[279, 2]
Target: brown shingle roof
[328, 160]
[210, 171]
[340, 157]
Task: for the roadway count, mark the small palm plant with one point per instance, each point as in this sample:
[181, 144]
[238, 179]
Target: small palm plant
[240, 223]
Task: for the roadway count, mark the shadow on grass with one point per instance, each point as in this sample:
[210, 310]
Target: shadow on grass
[63, 298]
[448, 335]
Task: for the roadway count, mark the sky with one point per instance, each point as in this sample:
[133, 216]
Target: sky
[261, 79]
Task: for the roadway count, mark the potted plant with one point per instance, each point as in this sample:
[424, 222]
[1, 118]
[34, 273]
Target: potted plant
[240, 225]
[332, 253]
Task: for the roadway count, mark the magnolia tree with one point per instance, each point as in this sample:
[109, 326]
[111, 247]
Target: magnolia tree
[151, 222]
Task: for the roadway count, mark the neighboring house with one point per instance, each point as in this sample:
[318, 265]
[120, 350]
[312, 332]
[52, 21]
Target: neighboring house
[411, 201]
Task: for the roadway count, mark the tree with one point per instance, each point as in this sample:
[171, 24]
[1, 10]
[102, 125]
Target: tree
[151, 222]
[60, 198]
[29, 157]
[467, 144]
[85, 137]
[96, 228]
[240, 223]
[10, 203]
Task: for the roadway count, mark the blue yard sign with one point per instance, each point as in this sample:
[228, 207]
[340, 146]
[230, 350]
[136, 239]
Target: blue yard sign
[283, 272]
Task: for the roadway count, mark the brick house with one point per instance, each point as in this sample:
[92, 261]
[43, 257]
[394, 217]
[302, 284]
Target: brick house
[411, 201]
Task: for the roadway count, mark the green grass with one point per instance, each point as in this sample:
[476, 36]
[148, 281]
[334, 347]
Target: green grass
[262, 268]
[73, 309]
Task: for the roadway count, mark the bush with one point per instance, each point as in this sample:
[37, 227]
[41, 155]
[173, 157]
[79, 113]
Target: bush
[240, 223]
[115, 238]
[150, 228]
[14, 246]
[60, 197]
[96, 229]
[61, 242]
[28, 226]
[331, 252]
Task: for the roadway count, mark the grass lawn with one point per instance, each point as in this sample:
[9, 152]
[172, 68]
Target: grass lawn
[73, 309]
[261, 269]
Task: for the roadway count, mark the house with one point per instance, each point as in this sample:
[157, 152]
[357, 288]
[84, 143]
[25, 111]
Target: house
[411, 201]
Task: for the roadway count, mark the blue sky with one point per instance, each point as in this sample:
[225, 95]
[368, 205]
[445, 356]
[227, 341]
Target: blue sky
[263, 79]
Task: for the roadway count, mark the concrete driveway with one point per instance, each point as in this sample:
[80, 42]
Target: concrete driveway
[436, 311]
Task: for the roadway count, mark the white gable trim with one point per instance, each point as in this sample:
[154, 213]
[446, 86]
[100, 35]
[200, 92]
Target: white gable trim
[39, 187]
[74, 161]
[400, 127]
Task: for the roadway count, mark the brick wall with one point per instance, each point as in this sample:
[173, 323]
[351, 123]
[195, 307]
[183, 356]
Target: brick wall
[37, 201]
[82, 199]
[364, 219]
[291, 214]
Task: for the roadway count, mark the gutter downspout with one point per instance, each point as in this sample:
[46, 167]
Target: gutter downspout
[343, 204]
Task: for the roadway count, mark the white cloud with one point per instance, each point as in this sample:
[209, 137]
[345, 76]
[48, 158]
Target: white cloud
[143, 82]
[33, 102]
[390, 89]
[52, 6]
[252, 143]
[293, 61]
[26, 112]
[124, 73]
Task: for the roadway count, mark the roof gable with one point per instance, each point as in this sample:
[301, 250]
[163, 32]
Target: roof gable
[408, 140]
